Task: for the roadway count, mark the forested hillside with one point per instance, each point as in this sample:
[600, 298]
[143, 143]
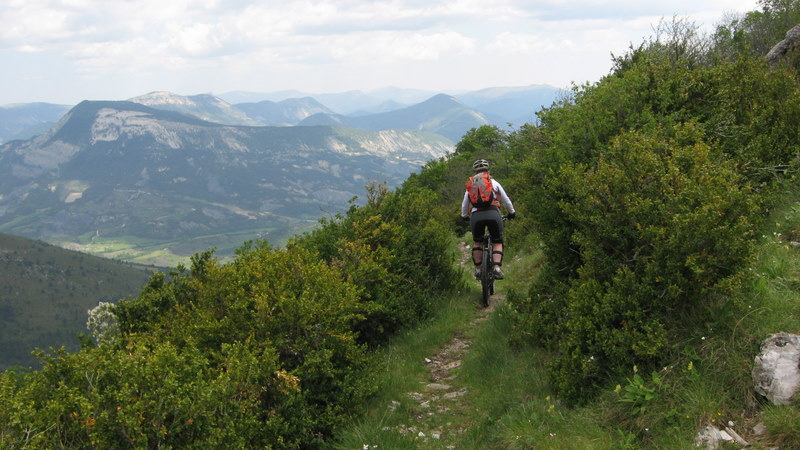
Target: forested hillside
[45, 292]
[646, 196]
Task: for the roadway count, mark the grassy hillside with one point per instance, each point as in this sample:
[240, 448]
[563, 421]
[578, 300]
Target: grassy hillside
[46, 291]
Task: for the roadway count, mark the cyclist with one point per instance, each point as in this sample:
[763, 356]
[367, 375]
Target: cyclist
[488, 217]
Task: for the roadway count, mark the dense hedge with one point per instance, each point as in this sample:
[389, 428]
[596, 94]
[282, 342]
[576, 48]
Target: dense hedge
[646, 189]
[656, 224]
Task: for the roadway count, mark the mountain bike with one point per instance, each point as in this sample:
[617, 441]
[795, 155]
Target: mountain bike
[487, 269]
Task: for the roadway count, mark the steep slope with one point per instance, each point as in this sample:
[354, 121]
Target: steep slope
[441, 114]
[45, 292]
[122, 179]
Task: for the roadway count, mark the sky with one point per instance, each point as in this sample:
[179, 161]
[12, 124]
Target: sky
[66, 51]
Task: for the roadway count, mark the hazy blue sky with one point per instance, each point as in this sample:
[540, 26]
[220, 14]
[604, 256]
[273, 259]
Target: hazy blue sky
[65, 51]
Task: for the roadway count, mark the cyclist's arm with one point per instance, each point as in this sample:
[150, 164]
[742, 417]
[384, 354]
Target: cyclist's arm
[465, 205]
[504, 197]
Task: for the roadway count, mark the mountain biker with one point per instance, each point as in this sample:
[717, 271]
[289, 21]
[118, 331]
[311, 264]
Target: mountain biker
[481, 219]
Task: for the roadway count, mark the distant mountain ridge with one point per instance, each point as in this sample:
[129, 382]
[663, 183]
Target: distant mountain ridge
[285, 112]
[498, 105]
[126, 180]
[26, 120]
[203, 106]
[441, 114]
[516, 104]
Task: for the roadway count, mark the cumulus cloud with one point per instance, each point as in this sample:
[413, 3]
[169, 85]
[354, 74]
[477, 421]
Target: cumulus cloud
[31, 24]
[166, 36]
[391, 46]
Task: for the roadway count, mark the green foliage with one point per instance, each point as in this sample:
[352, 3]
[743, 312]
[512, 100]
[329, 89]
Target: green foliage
[45, 292]
[397, 251]
[486, 140]
[755, 117]
[638, 392]
[255, 353]
[265, 351]
[758, 31]
[657, 223]
[646, 189]
[146, 394]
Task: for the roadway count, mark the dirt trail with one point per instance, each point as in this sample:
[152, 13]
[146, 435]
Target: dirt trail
[437, 418]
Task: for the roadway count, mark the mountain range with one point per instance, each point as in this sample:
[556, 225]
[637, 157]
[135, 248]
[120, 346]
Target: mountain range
[441, 114]
[497, 105]
[129, 181]
[160, 176]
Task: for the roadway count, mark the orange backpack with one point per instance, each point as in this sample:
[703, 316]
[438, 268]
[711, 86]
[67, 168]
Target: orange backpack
[481, 193]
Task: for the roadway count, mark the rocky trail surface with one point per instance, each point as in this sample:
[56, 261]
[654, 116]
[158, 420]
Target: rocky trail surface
[438, 415]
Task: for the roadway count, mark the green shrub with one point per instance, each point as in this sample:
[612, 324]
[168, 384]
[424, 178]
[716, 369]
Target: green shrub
[259, 352]
[657, 224]
[397, 250]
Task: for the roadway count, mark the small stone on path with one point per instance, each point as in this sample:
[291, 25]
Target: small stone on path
[459, 393]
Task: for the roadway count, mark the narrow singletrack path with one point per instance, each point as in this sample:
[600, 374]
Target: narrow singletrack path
[438, 416]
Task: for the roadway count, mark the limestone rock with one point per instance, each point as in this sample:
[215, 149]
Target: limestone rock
[776, 373]
[711, 437]
[782, 48]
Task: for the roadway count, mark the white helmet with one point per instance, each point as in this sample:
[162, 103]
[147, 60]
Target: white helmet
[480, 165]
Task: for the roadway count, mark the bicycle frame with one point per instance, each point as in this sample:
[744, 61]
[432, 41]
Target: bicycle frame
[487, 268]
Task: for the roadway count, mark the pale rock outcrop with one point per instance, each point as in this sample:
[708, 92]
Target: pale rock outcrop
[782, 48]
[776, 373]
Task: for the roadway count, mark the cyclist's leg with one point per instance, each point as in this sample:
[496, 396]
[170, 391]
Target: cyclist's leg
[495, 227]
[477, 252]
[497, 253]
[477, 240]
